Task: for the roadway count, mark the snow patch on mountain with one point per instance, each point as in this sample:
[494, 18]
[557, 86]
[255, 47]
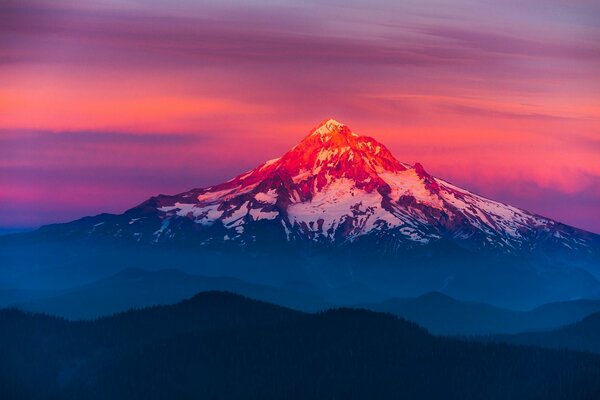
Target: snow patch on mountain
[408, 183]
[338, 206]
[337, 186]
[270, 197]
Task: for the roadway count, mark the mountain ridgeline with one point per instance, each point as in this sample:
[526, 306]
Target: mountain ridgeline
[583, 336]
[220, 346]
[336, 210]
[438, 313]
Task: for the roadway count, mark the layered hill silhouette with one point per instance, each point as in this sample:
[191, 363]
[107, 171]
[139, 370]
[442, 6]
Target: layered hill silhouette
[218, 345]
[137, 288]
[582, 335]
[438, 313]
[443, 315]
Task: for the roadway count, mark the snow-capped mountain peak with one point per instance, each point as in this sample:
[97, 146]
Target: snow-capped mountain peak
[336, 186]
[339, 209]
[329, 128]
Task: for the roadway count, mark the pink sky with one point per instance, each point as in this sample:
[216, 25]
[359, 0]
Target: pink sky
[105, 103]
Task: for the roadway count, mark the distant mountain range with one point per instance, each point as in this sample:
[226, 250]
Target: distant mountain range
[336, 211]
[438, 313]
[136, 288]
[583, 335]
[443, 315]
[219, 345]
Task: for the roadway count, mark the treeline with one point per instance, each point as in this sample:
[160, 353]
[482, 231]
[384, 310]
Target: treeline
[223, 346]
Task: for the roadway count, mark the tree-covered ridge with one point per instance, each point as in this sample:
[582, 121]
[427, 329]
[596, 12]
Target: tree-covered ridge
[221, 346]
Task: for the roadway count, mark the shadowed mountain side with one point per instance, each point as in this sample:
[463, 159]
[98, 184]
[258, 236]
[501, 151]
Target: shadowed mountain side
[199, 347]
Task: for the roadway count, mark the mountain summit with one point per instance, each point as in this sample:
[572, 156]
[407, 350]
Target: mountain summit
[331, 152]
[336, 186]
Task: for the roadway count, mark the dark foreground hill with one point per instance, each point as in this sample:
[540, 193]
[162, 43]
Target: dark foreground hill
[223, 346]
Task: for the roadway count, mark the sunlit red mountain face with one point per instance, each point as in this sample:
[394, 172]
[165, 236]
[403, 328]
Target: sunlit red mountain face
[336, 186]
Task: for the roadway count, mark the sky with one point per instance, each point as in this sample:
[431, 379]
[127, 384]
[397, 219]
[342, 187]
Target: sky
[104, 103]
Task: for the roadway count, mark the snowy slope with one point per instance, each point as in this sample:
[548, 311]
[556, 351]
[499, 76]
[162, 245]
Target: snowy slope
[336, 186]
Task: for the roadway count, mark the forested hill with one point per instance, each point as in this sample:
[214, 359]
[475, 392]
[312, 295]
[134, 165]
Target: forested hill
[222, 346]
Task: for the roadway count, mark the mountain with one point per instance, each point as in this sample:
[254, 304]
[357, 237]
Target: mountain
[218, 345]
[336, 187]
[441, 314]
[337, 210]
[583, 335]
[438, 313]
[135, 288]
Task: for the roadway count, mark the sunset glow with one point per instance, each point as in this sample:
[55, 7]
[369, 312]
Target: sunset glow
[105, 103]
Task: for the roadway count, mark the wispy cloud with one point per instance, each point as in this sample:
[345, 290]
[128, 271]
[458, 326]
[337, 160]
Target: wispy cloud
[483, 42]
[107, 99]
[491, 114]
